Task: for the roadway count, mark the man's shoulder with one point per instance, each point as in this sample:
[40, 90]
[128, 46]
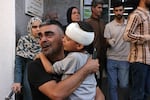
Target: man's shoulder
[110, 23]
[139, 15]
[34, 63]
[88, 20]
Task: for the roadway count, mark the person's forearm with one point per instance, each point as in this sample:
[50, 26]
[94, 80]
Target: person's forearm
[129, 34]
[18, 69]
[70, 84]
[99, 94]
[67, 86]
[47, 65]
[61, 90]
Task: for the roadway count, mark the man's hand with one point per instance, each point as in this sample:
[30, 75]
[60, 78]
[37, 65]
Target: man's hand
[92, 65]
[16, 87]
[99, 94]
[143, 39]
[111, 42]
[147, 37]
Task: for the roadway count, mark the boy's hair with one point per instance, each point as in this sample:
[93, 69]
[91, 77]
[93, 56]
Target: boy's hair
[85, 26]
[94, 3]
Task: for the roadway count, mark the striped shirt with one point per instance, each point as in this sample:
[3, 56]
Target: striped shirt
[138, 25]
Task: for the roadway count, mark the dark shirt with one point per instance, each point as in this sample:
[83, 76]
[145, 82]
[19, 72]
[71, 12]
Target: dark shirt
[99, 40]
[37, 76]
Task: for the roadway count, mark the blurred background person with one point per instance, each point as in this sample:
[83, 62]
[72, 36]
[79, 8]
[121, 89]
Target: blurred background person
[117, 53]
[138, 34]
[52, 15]
[73, 15]
[99, 41]
[26, 50]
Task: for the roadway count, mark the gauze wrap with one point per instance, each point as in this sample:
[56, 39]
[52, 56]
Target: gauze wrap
[74, 32]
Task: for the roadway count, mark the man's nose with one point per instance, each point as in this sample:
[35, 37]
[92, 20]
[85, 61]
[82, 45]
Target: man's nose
[43, 38]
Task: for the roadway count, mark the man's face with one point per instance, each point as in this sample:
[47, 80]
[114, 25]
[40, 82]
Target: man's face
[97, 11]
[118, 11]
[50, 40]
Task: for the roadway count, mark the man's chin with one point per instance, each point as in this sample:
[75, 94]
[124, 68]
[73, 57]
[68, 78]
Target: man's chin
[45, 51]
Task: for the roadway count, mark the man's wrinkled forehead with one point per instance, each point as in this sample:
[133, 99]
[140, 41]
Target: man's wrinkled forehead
[45, 28]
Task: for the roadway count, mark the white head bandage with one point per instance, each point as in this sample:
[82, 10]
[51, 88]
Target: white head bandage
[74, 32]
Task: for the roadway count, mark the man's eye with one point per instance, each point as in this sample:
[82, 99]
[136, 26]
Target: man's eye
[39, 34]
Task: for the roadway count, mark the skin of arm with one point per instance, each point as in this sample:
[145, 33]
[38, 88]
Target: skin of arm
[62, 89]
[46, 63]
[99, 94]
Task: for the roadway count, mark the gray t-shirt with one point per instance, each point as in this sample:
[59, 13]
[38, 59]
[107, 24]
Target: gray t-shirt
[68, 66]
[120, 49]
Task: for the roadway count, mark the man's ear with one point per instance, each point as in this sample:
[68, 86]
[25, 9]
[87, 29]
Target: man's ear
[92, 8]
[80, 46]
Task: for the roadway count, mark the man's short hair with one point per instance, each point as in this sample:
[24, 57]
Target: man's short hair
[94, 3]
[85, 26]
[54, 22]
[118, 4]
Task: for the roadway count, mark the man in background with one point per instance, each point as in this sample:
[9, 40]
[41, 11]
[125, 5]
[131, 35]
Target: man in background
[117, 52]
[99, 41]
[138, 34]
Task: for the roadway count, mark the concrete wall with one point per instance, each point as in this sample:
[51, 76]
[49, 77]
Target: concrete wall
[7, 46]
[59, 6]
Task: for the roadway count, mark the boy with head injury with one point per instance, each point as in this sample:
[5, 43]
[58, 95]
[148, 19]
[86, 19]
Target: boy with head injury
[78, 36]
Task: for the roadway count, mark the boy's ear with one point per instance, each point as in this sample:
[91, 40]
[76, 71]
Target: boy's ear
[80, 46]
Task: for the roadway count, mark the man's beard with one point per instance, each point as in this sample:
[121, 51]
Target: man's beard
[118, 17]
[53, 50]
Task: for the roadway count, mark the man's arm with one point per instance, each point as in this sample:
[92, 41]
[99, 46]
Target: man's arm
[107, 34]
[65, 87]
[99, 94]
[18, 74]
[129, 35]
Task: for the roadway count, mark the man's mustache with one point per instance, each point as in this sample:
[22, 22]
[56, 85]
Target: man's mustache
[119, 15]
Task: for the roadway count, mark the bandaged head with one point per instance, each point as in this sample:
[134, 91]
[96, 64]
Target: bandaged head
[74, 32]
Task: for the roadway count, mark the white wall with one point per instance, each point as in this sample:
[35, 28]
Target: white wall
[7, 46]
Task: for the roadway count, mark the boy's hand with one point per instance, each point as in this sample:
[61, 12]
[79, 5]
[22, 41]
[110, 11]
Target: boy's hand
[92, 65]
[38, 55]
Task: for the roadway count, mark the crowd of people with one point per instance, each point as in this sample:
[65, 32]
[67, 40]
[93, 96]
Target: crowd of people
[55, 61]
